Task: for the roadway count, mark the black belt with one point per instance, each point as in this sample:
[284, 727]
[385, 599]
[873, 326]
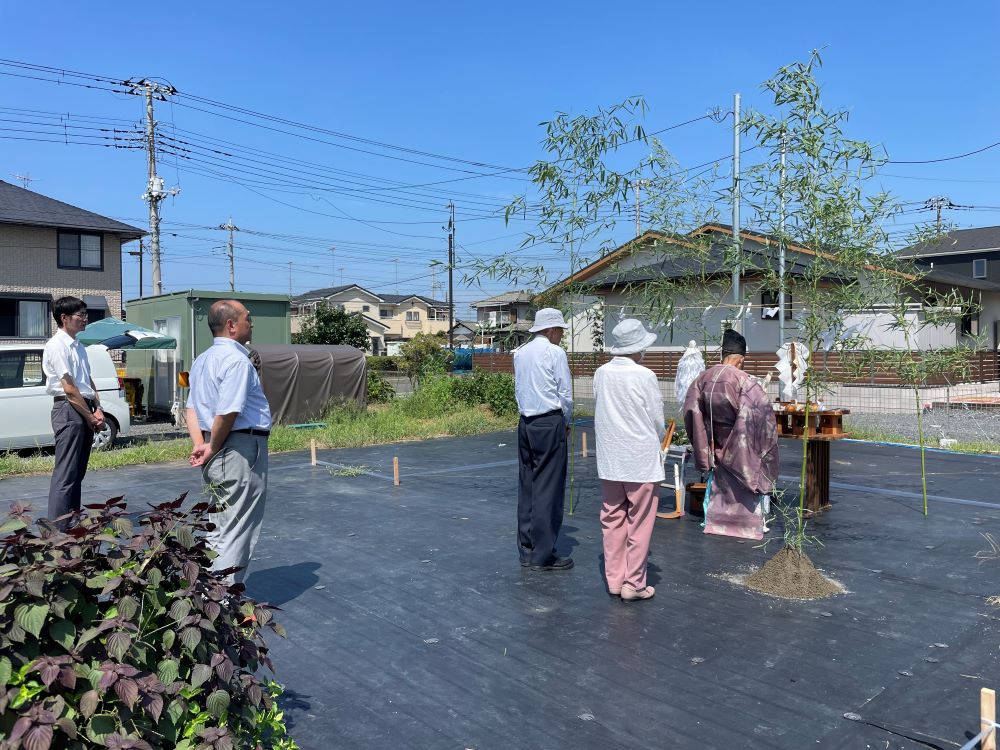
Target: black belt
[546, 414]
[89, 401]
[245, 431]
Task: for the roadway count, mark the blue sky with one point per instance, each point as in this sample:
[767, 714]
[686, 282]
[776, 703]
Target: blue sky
[468, 80]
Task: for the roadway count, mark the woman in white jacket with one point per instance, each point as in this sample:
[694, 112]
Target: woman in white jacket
[629, 427]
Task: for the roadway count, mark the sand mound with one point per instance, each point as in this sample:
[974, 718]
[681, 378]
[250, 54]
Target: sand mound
[791, 574]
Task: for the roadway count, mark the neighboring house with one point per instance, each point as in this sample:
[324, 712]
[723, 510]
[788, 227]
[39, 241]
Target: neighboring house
[465, 333]
[503, 320]
[50, 249]
[391, 318]
[612, 287]
[968, 261]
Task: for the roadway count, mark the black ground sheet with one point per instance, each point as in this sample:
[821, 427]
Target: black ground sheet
[411, 624]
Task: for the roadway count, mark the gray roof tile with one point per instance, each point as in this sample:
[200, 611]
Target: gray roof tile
[20, 206]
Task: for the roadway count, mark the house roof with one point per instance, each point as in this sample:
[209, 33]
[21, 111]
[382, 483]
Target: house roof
[947, 278]
[797, 257]
[395, 299]
[506, 298]
[20, 206]
[957, 242]
[392, 299]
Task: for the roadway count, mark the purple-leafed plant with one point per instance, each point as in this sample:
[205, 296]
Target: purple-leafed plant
[114, 633]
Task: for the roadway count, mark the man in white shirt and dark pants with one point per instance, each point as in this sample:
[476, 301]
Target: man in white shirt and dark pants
[76, 405]
[229, 421]
[629, 427]
[542, 384]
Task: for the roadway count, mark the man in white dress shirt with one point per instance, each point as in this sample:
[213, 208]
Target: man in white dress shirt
[76, 404]
[629, 427]
[543, 388]
[229, 420]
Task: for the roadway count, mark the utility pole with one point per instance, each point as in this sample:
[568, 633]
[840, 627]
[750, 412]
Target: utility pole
[138, 253]
[638, 202]
[155, 192]
[451, 268]
[231, 252]
[341, 275]
[395, 263]
[333, 265]
[289, 279]
[737, 245]
[781, 246]
[937, 203]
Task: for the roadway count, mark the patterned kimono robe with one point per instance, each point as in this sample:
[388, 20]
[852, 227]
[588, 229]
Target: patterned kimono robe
[732, 428]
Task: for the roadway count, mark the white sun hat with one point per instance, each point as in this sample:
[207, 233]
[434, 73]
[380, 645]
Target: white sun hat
[630, 337]
[548, 317]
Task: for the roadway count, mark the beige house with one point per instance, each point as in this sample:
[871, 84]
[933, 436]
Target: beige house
[391, 318]
[50, 249]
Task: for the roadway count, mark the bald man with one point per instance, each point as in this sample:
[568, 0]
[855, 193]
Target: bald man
[229, 421]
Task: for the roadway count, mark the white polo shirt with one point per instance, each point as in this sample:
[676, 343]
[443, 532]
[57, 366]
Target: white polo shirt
[224, 381]
[64, 355]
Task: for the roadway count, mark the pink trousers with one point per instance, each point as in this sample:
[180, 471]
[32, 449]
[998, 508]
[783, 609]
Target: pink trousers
[627, 518]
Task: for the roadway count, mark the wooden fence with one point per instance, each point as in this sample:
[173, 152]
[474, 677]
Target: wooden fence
[983, 367]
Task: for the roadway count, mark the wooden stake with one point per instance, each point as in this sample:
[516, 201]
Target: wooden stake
[988, 715]
[584, 436]
[395, 470]
[312, 451]
[678, 510]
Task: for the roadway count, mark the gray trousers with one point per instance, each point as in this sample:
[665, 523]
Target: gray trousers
[74, 439]
[236, 478]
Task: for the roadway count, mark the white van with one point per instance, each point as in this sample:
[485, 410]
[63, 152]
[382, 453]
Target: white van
[25, 407]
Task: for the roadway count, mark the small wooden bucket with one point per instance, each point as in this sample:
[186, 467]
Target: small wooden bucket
[696, 498]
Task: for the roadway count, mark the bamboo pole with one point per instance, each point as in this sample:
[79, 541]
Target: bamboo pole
[987, 716]
[395, 470]
[312, 452]
[583, 436]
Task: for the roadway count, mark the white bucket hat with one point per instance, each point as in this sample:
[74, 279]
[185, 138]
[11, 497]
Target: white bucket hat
[630, 337]
[548, 317]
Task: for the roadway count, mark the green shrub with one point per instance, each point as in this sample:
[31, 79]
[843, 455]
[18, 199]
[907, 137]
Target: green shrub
[115, 633]
[424, 356]
[380, 390]
[383, 364]
[498, 394]
[432, 398]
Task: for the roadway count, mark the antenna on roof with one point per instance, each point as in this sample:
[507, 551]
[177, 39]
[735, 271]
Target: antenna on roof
[24, 179]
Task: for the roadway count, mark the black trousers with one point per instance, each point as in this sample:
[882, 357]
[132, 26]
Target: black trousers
[74, 439]
[541, 450]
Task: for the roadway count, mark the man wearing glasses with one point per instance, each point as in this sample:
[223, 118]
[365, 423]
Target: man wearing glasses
[76, 405]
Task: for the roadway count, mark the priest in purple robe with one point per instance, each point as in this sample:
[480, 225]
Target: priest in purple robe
[731, 425]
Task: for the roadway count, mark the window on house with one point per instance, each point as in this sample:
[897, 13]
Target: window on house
[979, 268]
[970, 325]
[432, 314]
[769, 306]
[385, 312]
[366, 308]
[412, 315]
[78, 250]
[24, 318]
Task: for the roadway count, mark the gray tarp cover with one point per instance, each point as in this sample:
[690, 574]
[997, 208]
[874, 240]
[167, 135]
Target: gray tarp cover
[300, 380]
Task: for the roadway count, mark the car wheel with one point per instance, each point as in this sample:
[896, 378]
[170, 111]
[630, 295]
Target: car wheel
[105, 439]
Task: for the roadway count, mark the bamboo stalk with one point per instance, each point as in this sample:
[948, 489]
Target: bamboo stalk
[395, 470]
[583, 436]
[312, 452]
[987, 717]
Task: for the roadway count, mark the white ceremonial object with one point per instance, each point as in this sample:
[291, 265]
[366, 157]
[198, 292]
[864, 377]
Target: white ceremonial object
[791, 366]
[690, 366]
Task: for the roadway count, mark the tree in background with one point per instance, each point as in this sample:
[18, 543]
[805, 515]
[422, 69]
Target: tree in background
[331, 325]
[425, 354]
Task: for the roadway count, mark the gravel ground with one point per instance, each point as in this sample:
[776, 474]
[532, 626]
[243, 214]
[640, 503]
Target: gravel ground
[160, 428]
[964, 425]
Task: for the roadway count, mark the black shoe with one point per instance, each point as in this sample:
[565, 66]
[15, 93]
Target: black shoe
[560, 563]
